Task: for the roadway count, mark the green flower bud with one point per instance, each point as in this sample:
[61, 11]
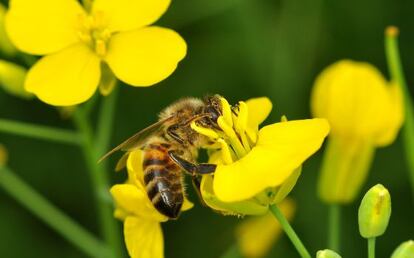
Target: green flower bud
[327, 254]
[374, 212]
[6, 47]
[12, 78]
[404, 250]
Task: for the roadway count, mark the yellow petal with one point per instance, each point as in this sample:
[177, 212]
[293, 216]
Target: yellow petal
[121, 214]
[280, 149]
[143, 238]
[248, 207]
[66, 78]
[134, 167]
[357, 101]
[259, 110]
[134, 200]
[127, 15]
[145, 56]
[42, 27]
[395, 118]
[187, 204]
[257, 235]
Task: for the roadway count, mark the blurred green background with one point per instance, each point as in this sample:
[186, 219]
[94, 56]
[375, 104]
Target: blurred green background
[240, 49]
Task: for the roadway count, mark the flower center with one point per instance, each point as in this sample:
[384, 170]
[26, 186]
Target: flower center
[93, 30]
[236, 138]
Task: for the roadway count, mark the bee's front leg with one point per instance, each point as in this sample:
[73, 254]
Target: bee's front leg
[193, 169]
[171, 131]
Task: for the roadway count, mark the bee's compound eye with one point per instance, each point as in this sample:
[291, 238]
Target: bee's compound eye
[214, 115]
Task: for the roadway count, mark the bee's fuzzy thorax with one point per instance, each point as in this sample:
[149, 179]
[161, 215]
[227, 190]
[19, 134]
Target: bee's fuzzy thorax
[188, 103]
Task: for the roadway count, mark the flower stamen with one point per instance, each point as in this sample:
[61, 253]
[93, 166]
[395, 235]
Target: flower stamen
[93, 30]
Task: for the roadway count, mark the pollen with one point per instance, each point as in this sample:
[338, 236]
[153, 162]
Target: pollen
[93, 30]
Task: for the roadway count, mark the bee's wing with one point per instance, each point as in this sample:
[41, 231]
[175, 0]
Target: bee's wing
[137, 140]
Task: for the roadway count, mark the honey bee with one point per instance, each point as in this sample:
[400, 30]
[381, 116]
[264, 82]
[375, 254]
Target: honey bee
[170, 147]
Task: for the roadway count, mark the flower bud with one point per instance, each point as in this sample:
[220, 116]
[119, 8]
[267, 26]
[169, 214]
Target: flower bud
[404, 250]
[6, 47]
[374, 212]
[12, 78]
[327, 254]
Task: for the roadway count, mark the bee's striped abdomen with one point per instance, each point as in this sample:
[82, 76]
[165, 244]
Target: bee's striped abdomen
[162, 178]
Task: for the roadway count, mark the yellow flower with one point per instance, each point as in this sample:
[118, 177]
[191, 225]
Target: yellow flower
[256, 168]
[142, 229]
[76, 43]
[256, 235]
[365, 112]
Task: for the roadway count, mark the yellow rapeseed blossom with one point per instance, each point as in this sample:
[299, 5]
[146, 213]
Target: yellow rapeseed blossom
[364, 111]
[76, 43]
[256, 168]
[256, 235]
[142, 229]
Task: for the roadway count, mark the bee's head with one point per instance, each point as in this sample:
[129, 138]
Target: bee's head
[213, 108]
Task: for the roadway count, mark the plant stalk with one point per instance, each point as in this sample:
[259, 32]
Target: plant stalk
[334, 227]
[39, 132]
[287, 228]
[98, 175]
[397, 75]
[51, 215]
[371, 247]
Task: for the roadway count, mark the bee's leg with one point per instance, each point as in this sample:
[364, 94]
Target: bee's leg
[171, 130]
[195, 118]
[196, 184]
[193, 169]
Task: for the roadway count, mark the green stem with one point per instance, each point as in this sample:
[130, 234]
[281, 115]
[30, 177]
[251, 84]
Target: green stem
[39, 132]
[51, 215]
[290, 232]
[100, 183]
[397, 75]
[334, 227]
[105, 122]
[103, 137]
[232, 252]
[89, 106]
[371, 247]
